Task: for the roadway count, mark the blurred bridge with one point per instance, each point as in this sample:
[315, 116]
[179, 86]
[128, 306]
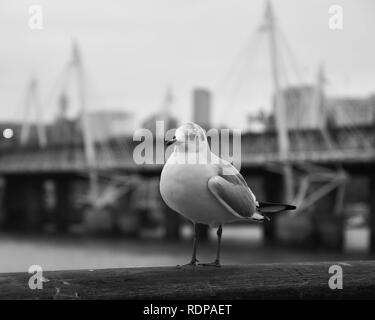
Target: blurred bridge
[26, 169]
[258, 150]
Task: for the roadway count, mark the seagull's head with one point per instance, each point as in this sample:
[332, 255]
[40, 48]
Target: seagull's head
[190, 137]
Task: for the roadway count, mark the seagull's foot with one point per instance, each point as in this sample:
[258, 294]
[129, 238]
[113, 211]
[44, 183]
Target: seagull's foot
[216, 264]
[192, 263]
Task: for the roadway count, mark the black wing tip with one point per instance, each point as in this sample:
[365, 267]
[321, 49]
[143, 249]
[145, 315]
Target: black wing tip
[268, 205]
[290, 207]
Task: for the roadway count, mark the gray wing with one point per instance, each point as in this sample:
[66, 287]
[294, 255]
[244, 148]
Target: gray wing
[232, 191]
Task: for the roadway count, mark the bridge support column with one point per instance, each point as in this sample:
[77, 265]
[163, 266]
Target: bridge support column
[172, 224]
[372, 211]
[2, 192]
[328, 229]
[273, 191]
[63, 204]
[34, 205]
[203, 232]
[23, 203]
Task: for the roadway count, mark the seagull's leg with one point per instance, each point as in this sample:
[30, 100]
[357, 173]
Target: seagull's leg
[219, 233]
[194, 259]
[216, 263]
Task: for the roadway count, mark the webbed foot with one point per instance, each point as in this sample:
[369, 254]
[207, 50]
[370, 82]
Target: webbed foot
[192, 263]
[215, 263]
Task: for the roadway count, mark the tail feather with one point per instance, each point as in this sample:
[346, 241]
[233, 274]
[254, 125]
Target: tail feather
[268, 207]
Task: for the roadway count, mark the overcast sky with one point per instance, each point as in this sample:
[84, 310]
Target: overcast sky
[133, 50]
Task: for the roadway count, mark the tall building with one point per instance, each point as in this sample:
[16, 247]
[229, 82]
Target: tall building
[202, 107]
[345, 111]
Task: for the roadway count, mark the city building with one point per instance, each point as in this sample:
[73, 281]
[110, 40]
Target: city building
[349, 111]
[109, 124]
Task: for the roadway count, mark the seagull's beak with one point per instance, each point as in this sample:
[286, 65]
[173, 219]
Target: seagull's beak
[170, 142]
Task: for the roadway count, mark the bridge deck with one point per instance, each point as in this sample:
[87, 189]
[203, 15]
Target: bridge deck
[62, 160]
[256, 151]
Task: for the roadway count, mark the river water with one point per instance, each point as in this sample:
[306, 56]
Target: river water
[241, 245]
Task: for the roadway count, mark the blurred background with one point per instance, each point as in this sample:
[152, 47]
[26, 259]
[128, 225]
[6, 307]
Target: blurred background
[76, 81]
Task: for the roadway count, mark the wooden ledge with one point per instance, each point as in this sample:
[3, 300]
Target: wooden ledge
[261, 281]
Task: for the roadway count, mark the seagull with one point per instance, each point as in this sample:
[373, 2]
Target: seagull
[206, 189]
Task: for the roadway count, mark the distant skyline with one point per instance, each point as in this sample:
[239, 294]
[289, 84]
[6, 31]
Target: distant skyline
[135, 50]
